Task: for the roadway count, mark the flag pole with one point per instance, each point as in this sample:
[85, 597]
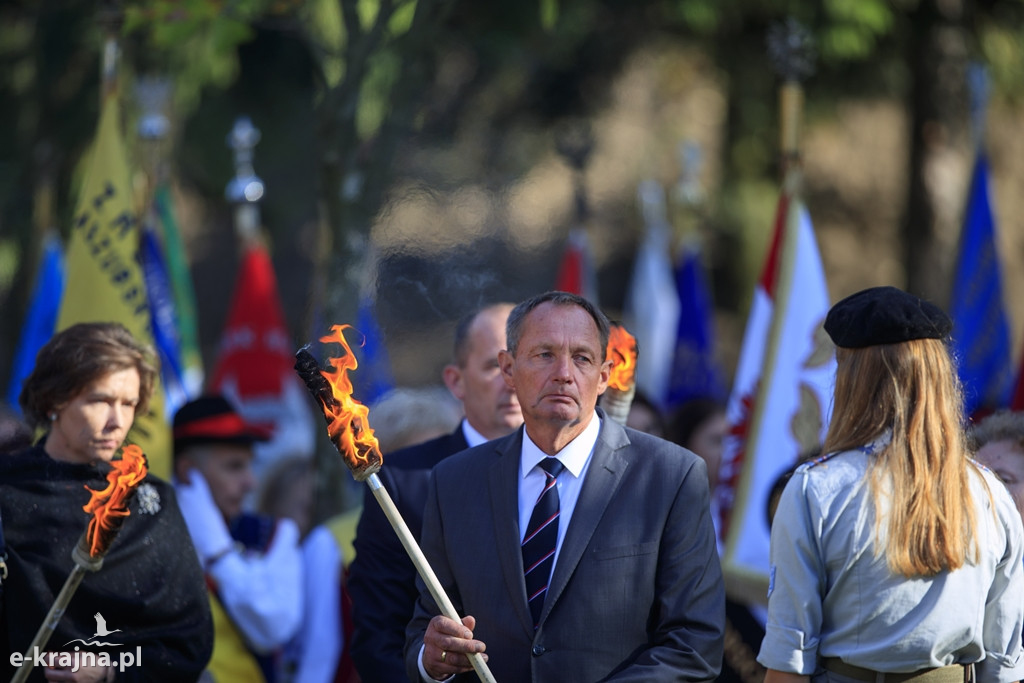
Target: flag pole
[153, 127]
[791, 51]
[574, 142]
[687, 196]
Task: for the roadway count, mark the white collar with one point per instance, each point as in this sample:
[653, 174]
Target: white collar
[574, 455]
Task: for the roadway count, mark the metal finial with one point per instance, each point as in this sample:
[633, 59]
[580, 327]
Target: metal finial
[575, 142]
[791, 49]
[979, 89]
[652, 203]
[153, 94]
[110, 18]
[691, 160]
[246, 186]
[244, 136]
[111, 56]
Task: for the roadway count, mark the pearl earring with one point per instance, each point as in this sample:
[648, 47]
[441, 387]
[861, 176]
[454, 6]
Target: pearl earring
[53, 417]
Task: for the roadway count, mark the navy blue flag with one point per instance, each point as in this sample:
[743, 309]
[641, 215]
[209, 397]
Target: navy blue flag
[373, 378]
[41, 318]
[164, 320]
[695, 373]
[981, 332]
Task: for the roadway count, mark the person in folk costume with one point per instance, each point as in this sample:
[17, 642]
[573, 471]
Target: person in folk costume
[894, 557]
[253, 563]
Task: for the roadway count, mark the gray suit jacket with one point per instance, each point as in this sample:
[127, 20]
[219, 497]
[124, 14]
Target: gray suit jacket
[637, 594]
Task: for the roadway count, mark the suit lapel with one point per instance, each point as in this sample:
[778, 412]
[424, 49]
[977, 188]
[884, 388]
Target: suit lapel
[504, 493]
[602, 481]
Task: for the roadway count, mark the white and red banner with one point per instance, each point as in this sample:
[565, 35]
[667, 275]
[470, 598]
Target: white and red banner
[781, 397]
[577, 273]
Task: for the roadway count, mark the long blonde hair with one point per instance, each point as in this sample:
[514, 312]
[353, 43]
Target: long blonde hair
[912, 389]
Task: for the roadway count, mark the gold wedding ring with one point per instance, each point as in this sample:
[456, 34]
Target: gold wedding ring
[444, 655]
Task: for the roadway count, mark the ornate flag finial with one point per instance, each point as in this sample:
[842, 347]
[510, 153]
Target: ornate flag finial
[791, 49]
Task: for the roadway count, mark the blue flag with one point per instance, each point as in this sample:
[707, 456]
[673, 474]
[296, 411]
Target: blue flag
[695, 374]
[164, 321]
[41, 318]
[981, 333]
[373, 378]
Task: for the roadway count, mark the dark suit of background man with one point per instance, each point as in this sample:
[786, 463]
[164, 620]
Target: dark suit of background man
[382, 581]
[636, 591]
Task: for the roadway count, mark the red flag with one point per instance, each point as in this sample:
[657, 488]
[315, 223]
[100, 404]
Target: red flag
[576, 272]
[254, 368]
[1018, 392]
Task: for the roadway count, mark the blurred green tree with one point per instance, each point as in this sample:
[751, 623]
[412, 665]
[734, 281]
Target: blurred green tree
[379, 74]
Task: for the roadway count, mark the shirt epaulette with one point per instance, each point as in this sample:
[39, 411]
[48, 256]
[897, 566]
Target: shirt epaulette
[868, 449]
[818, 460]
[981, 466]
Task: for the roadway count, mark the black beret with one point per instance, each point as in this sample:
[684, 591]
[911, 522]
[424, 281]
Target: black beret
[884, 315]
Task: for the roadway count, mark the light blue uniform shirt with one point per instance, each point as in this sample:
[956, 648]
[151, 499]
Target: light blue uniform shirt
[831, 595]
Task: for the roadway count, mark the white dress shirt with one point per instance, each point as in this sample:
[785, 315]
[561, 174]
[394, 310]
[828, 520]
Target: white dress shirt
[576, 459]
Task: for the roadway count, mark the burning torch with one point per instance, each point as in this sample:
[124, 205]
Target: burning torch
[622, 351]
[108, 507]
[348, 426]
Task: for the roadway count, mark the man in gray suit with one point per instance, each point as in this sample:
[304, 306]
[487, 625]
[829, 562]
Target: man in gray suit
[630, 588]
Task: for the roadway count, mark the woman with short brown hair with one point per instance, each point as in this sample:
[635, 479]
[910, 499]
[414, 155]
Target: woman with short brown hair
[148, 599]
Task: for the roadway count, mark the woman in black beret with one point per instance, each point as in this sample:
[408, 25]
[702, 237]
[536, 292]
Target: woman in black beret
[894, 558]
[146, 607]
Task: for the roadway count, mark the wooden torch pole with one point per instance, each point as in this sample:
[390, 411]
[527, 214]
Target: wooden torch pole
[423, 567]
[83, 563]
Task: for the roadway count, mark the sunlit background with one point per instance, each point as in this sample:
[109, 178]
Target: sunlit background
[422, 172]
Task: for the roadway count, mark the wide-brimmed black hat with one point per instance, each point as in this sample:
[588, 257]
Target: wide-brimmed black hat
[884, 315]
[212, 419]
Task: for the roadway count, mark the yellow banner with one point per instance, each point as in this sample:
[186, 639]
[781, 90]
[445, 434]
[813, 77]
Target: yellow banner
[104, 279]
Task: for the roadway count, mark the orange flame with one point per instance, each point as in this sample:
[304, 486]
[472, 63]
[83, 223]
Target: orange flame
[109, 506]
[348, 420]
[622, 352]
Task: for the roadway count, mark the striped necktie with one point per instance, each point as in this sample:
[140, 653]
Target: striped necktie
[540, 540]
